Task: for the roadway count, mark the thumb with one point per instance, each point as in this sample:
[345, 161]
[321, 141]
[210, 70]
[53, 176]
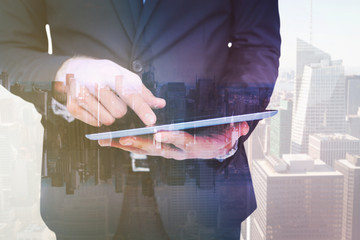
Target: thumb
[244, 128]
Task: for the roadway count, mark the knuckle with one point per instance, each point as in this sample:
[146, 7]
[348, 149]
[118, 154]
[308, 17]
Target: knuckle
[120, 113]
[83, 93]
[93, 123]
[105, 92]
[135, 77]
[72, 108]
[80, 98]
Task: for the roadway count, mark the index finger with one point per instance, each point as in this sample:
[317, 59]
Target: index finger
[141, 108]
[136, 102]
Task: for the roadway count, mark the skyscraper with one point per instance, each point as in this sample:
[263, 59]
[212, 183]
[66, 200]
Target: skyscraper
[176, 101]
[319, 96]
[298, 198]
[205, 96]
[353, 122]
[350, 167]
[331, 147]
[306, 54]
[256, 145]
[280, 132]
[352, 94]
[20, 168]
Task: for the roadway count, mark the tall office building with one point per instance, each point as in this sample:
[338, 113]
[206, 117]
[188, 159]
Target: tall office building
[280, 132]
[298, 198]
[353, 105]
[352, 94]
[306, 54]
[319, 96]
[7, 158]
[350, 167]
[176, 101]
[206, 98]
[21, 145]
[353, 122]
[256, 145]
[331, 147]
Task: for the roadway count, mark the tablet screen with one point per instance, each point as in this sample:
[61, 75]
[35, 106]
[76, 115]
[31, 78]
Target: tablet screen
[182, 125]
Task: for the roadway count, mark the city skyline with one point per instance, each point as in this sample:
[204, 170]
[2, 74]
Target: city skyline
[333, 30]
[326, 104]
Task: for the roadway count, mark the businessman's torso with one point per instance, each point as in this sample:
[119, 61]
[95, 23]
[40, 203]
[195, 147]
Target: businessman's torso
[180, 49]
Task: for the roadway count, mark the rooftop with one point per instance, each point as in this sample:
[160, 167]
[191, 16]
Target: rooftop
[296, 165]
[333, 137]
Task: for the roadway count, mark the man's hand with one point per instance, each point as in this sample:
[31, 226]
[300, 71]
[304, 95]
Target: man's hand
[181, 145]
[99, 91]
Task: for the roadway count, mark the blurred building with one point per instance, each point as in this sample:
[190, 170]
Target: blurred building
[319, 96]
[331, 147]
[35, 231]
[350, 168]
[352, 94]
[7, 211]
[21, 148]
[305, 55]
[280, 132]
[353, 122]
[205, 96]
[148, 78]
[298, 197]
[256, 145]
[176, 101]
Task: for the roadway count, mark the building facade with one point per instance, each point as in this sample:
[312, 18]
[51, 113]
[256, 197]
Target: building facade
[319, 96]
[298, 198]
[280, 132]
[350, 168]
[331, 147]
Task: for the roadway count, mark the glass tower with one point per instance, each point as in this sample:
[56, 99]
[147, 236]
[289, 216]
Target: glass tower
[319, 105]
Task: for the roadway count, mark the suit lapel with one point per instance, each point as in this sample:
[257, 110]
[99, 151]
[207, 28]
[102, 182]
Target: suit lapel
[128, 13]
[145, 16]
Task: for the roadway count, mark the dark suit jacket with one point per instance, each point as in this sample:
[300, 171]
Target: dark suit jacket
[178, 41]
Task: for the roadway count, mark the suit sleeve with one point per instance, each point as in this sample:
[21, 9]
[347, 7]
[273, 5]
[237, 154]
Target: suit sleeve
[255, 50]
[254, 55]
[23, 44]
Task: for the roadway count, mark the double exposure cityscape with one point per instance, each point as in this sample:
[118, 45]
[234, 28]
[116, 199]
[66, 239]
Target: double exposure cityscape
[304, 164]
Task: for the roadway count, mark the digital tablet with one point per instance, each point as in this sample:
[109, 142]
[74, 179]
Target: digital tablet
[182, 125]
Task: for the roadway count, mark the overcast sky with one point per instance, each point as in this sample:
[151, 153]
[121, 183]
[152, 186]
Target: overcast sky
[335, 30]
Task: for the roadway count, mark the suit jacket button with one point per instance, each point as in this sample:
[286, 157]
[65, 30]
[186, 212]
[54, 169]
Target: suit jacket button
[137, 66]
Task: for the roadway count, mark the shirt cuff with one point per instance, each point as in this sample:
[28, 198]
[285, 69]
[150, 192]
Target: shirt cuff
[229, 154]
[61, 110]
